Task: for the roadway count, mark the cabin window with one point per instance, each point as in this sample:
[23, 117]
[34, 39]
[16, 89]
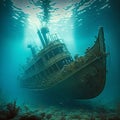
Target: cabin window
[51, 69]
[49, 55]
[54, 52]
[69, 60]
[64, 62]
[61, 63]
[58, 50]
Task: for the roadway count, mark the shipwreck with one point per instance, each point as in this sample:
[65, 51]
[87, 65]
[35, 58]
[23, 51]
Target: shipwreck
[53, 72]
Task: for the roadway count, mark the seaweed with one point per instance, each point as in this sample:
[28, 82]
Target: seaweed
[13, 110]
[9, 111]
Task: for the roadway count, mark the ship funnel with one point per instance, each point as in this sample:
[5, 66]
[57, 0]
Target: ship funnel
[41, 38]
[44, 31]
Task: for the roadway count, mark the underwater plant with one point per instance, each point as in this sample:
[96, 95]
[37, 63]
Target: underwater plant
[9, 111]
[12, 109]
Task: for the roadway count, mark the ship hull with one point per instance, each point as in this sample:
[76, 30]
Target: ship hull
[86, 83]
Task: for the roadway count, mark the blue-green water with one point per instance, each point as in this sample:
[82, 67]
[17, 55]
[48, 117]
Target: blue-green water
[75, 21]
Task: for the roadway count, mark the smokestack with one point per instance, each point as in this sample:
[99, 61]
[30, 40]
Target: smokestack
[44, 31]
[41, 38]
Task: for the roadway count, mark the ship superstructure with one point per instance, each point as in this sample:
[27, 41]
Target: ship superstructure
[42, 70]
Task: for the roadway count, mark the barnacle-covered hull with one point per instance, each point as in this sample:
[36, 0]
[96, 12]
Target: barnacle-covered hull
[82, 78]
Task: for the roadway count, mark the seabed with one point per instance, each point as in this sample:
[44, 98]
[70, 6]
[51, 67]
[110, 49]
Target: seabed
[11, 111]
